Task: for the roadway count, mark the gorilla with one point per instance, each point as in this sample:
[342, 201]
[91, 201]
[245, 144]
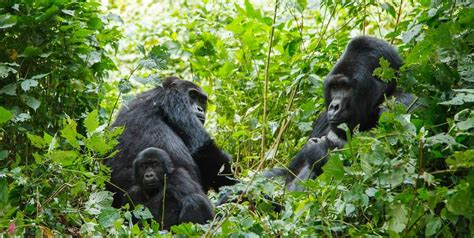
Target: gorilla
[171, 118]
[352, 96]
[170, 193]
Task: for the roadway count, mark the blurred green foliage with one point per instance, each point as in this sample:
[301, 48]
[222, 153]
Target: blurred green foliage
[411, 176]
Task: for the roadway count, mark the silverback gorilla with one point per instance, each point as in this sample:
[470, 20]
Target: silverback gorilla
[352, 96]
[170, 193]
[171, 118]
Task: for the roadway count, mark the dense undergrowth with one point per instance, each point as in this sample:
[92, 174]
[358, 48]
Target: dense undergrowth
[65, 68]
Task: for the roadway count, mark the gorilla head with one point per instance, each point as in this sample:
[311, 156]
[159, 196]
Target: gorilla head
[196, 96]
[150, 168]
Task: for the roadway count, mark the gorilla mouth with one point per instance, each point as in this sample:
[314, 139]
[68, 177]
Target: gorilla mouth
[336, 121]
[154, 184]
[201, 118]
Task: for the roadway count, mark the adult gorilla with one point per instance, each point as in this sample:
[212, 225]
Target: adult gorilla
[352, 96]
[170, 118]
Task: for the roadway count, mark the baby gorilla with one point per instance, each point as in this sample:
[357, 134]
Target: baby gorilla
[172, 196]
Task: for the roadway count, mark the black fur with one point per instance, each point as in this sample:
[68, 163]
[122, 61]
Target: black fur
[176, 198]
[352, 96]
[171, 119]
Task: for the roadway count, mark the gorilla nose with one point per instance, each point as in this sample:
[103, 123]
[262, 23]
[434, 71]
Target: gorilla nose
[335, 106]
[199, 109]
[149, 176]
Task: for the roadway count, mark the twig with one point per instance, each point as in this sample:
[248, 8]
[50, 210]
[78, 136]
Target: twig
[120, 93]
[399, 13]
[265, 87]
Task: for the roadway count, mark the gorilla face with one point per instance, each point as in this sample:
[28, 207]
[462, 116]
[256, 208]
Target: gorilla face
[340, 100]
[150, 173]
[198, 100]
[196, 96]
[150, 168]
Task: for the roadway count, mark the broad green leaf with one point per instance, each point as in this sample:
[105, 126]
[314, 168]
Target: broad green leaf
[64, 157]
[37, 141]
[92, 121]
[9, 89]
[6, 70]
[3, 154]
[32, 51]
[398, 218]
[334, 168]
[108, 215]
[28, 83]
[32, 102]
[141, 212]
[97, 202]
[5, 115]
[69, 133]
[7, 21]
[432, 225]
[98, 144]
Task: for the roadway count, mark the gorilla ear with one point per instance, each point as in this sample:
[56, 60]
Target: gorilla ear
[170, 81]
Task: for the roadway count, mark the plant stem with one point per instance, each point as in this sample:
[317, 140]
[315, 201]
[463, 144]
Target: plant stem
[265, 87]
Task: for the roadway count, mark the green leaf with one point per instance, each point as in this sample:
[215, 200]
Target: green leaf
[108, 215]
[32, 51]
[9, 89]
[142, 212]
[3, 154]
[32, 102]
[50, 12]
[301, 4]
[7, 21]
[432, 225]
[98, 144]
[94, 23]
[463, 96]
[334, 168]
[28, 83]
[389, 8]
[92, 121]
[5, 70]
[65, 158]
[3, 191]
[69, 133]
[97, 202]
[466, 125]
[399, 219]
[5, 115]
[37, 141]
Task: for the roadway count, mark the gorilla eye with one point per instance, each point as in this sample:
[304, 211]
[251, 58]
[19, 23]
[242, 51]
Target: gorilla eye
[193, 94]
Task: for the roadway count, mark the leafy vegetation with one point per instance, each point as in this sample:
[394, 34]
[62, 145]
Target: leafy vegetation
[66, 67]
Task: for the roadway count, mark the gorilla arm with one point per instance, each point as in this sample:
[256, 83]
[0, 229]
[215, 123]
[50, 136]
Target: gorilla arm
[204, 151]
[194, 205]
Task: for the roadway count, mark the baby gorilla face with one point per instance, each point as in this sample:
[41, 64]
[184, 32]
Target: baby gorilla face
[150, 168]
[151, 173]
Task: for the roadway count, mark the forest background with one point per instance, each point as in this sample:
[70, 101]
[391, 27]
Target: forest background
[67, 66]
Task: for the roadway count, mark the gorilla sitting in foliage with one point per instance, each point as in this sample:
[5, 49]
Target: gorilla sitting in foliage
[352, 96]
[170, 118]
[170, 193]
